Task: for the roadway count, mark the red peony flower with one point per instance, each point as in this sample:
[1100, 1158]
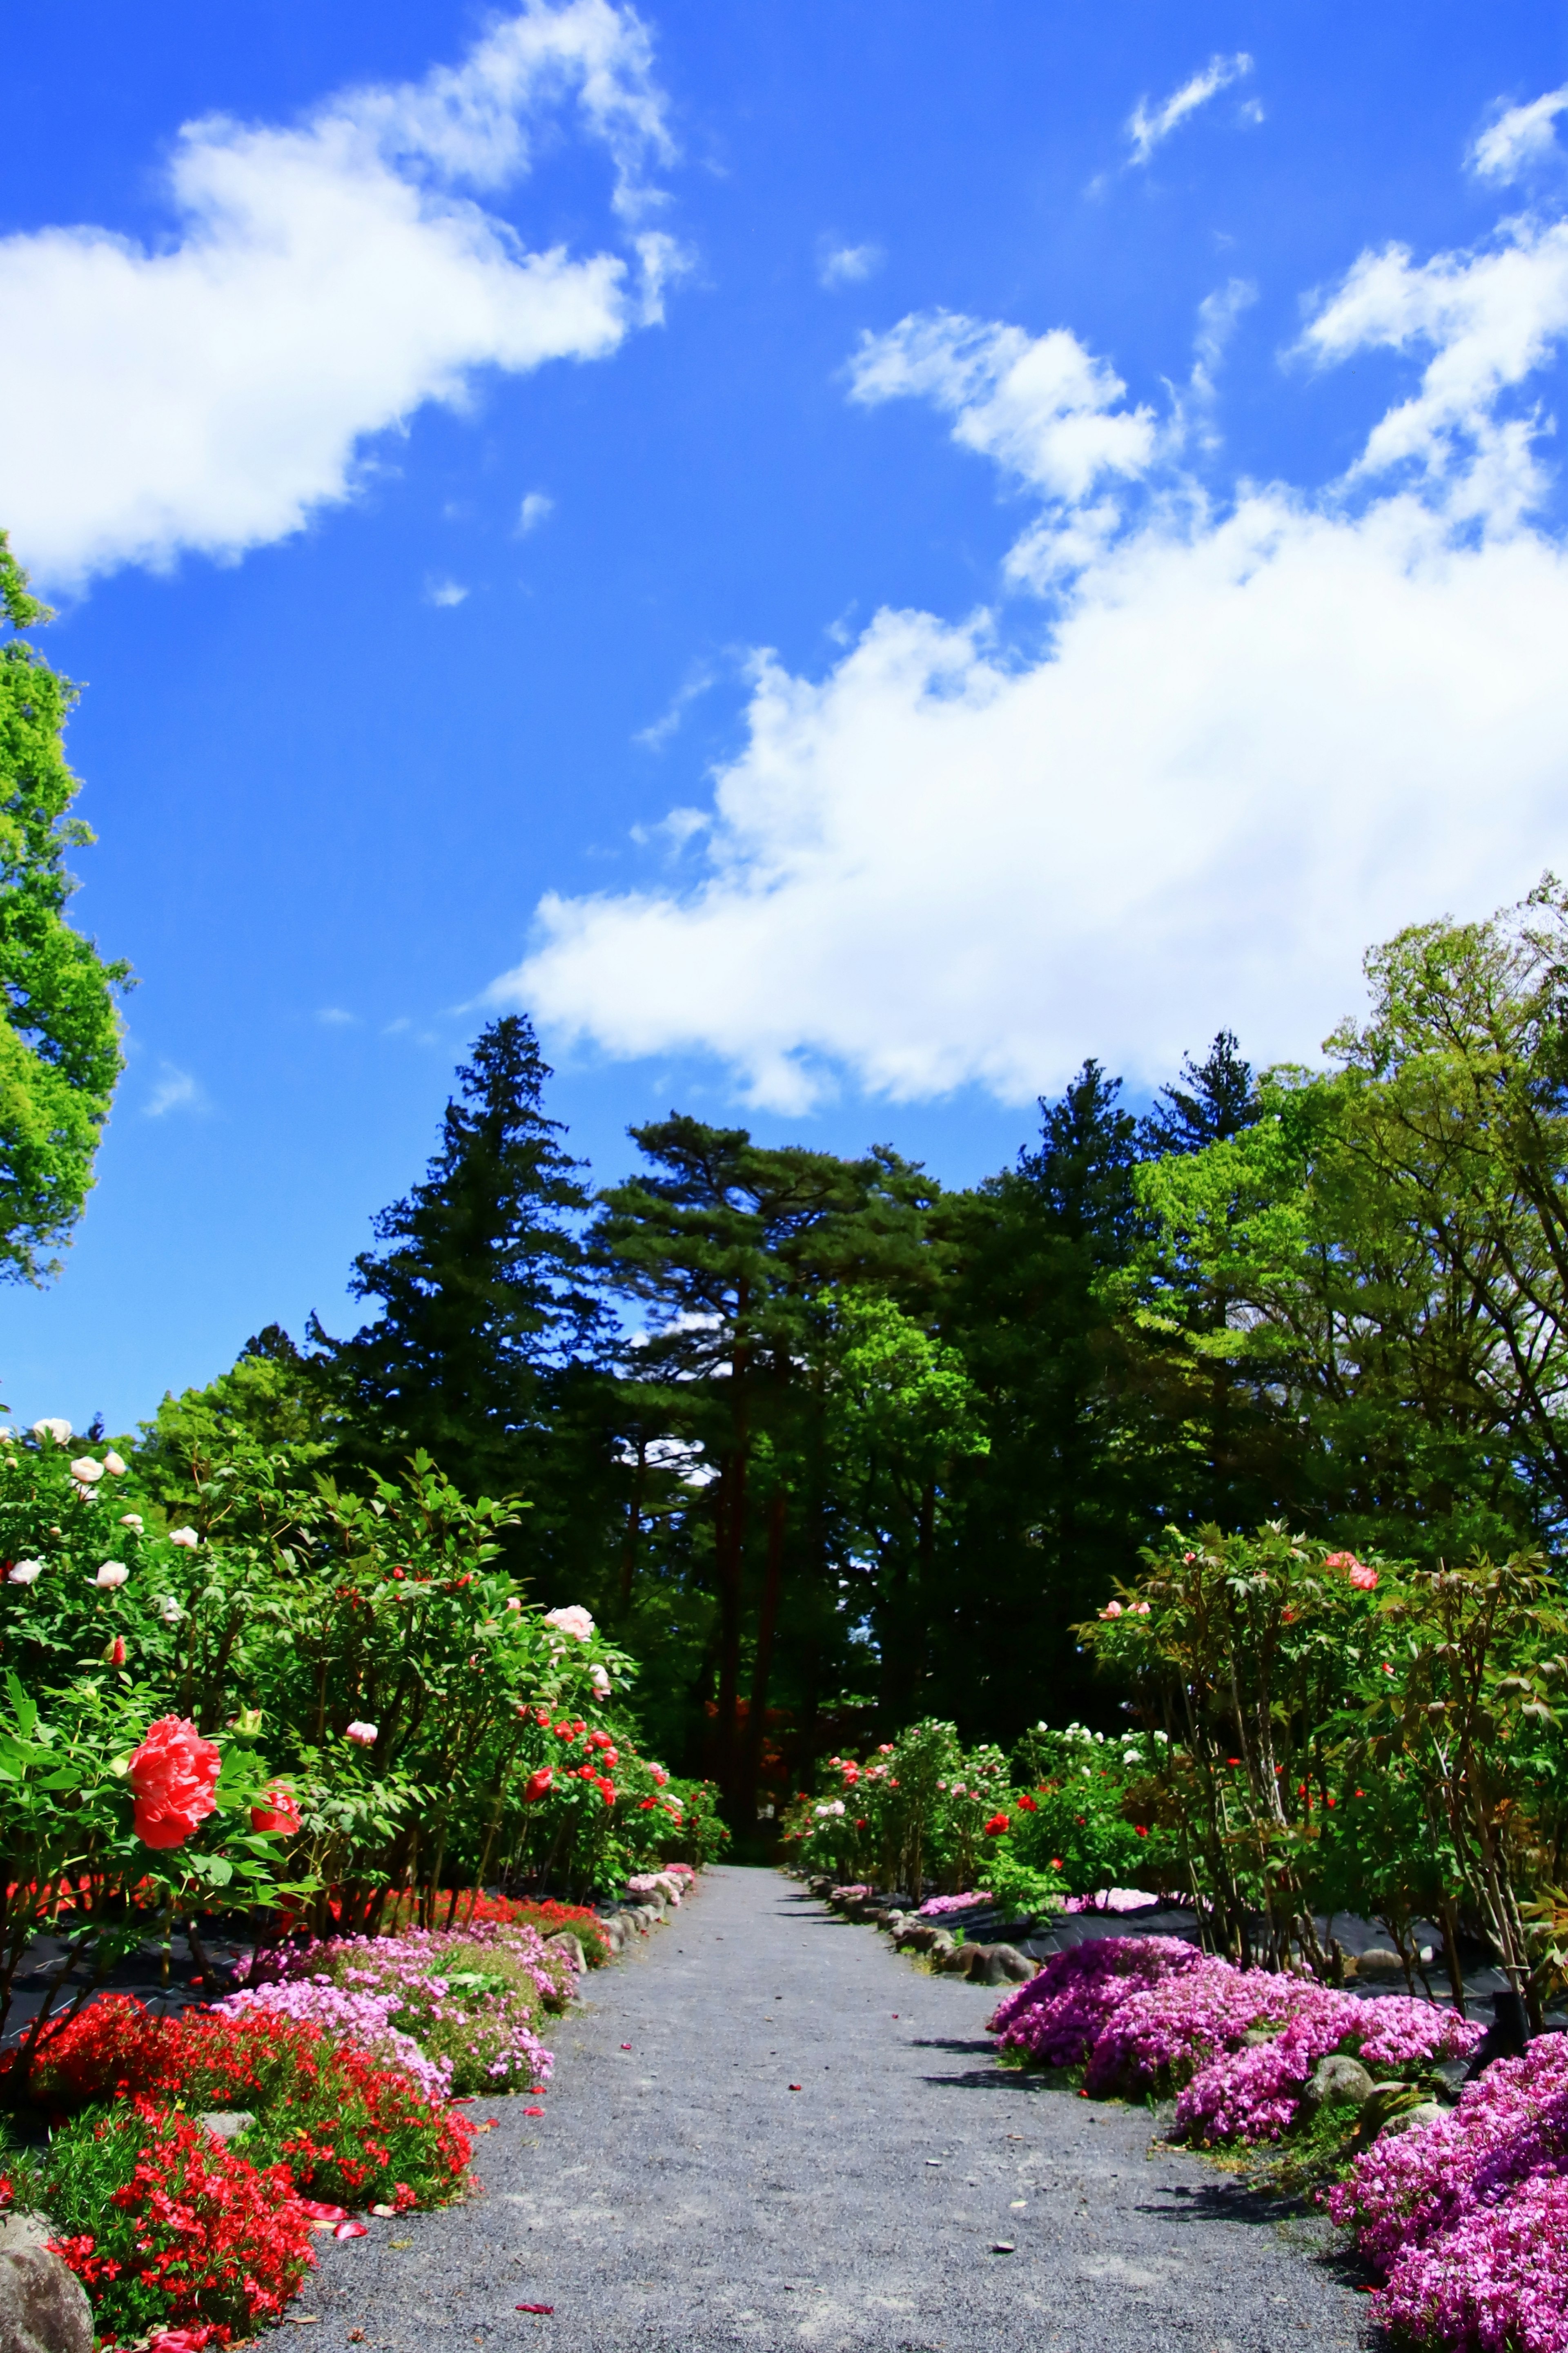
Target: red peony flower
[537, 1783]
[1027, 1803]
[997, 1825]
[174, 1775]
[278, 1811]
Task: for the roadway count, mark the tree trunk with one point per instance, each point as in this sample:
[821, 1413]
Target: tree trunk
[751, 1765]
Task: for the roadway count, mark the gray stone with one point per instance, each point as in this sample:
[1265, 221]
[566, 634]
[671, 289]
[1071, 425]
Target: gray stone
[565, 1942]
[24, 2231]
[1378, 1961]
[1014, 1968]
[226, 2123]
[939, 1947]
[916, 1936]
[1424, 2112]
[1337, 2083]
[43, 2307]
[1256, 2036]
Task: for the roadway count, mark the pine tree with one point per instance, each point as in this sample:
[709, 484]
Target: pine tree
[486, 1303]
[1218, 1100]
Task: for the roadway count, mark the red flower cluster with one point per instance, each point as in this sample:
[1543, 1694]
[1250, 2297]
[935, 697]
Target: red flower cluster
[194, 2236]
[998, 1825]
[174, 1775]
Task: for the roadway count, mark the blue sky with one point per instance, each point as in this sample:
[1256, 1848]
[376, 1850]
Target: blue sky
[846, 557]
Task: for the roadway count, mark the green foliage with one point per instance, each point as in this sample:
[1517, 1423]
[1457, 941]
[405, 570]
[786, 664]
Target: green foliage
[59, 1040]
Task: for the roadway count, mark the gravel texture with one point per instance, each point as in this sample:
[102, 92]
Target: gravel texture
[679, 2194]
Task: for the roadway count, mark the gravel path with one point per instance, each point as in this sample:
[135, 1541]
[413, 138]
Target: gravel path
[680, 2195]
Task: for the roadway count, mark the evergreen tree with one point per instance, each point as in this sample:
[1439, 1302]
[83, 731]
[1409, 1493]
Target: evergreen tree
[487, 1306]
[1220, 1099]
[1060, 1502]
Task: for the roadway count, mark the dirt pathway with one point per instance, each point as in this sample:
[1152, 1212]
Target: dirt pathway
[678, 2194]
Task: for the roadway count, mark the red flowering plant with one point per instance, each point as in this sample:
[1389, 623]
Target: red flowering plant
[167, 2228]
[351, 2129]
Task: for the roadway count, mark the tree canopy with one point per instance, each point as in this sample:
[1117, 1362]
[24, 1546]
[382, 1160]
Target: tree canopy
[59, 1037]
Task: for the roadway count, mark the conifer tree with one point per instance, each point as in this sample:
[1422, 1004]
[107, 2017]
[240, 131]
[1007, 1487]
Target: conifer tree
[486, 1303]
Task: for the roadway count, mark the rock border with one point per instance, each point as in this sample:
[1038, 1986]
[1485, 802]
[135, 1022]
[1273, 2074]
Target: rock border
[987, 1965]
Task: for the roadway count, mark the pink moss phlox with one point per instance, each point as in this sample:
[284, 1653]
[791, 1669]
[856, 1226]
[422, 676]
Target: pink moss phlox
[1252, 2094]
[1511, 2124]
[1497, 2280]
[363, 2019]
[1058, 2016]
[935, 1906]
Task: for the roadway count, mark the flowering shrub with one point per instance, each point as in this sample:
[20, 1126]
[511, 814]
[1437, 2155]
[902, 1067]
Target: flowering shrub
[1466, 2218]
[1059, 2017]
[468, 1998]
[1254, 2095]
[348, 2126]
[167, 2228]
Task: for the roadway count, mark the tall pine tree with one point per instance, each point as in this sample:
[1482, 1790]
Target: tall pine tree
[487, 1307]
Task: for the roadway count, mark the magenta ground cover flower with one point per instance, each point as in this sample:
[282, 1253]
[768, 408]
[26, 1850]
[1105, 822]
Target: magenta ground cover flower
[1497, 2280]
[1511, 2124]
[1058, 2016]
[935, 1906]
[1112, 1899]
[363, 2019]
[1253, 2094]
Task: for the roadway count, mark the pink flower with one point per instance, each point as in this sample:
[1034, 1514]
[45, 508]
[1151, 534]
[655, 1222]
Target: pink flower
[86, 1472]
[186, 1537]
[1364, 1579]
[112, 1573]
[114, 1465]
[1112, 1609]
[174, 1775]
[575, 1621]
[364, 1735]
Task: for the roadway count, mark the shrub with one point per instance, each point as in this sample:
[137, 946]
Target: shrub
[166, 2228]
[349, 2129]
[1058, 2016]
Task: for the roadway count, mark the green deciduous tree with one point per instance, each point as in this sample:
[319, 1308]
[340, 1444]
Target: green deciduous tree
[60, 1034]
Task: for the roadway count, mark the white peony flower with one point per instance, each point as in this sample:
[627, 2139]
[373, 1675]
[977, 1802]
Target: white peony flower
[364, 1735]
[112, 1463]
[26, 1572]
[514, 1603]
[600, 1681]
[169, 1610]
[186, 1537]
[575, 1621]
[86, 1472]
[113, 1572]
[60, 1432]
[130, 1519]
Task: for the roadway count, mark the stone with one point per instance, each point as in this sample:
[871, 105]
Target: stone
[43, 2307]
[226, 2123]
[916, 1936]
[1016, 1967]
[940, 1945]
[571, 1945]
[1337, 2082]
[1256, 2036]
[1424, 2112]
[1378, 1961]
[24, 2231]
[1389, 2108]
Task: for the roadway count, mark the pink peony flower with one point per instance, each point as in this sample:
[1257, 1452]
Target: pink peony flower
[364, 1735]
[186, 1537]
[112, 1573]
[1112, 1609]
[86, 1472]
[174, 1775]
[114, 1465]
[575, 1621]
[26, 1572]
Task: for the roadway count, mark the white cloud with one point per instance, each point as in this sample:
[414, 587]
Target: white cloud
[655, 736]
[847, 265]
[1042, 405]
[445, 593]
[536, 507]
[328, 279]
[335, 1016]
[1150, 123]
[1259, 736]
[1521, 137]
[1489, 320]
[176, 1091]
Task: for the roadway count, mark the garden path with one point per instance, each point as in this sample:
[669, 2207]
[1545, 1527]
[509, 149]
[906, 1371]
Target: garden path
[679, 2195]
